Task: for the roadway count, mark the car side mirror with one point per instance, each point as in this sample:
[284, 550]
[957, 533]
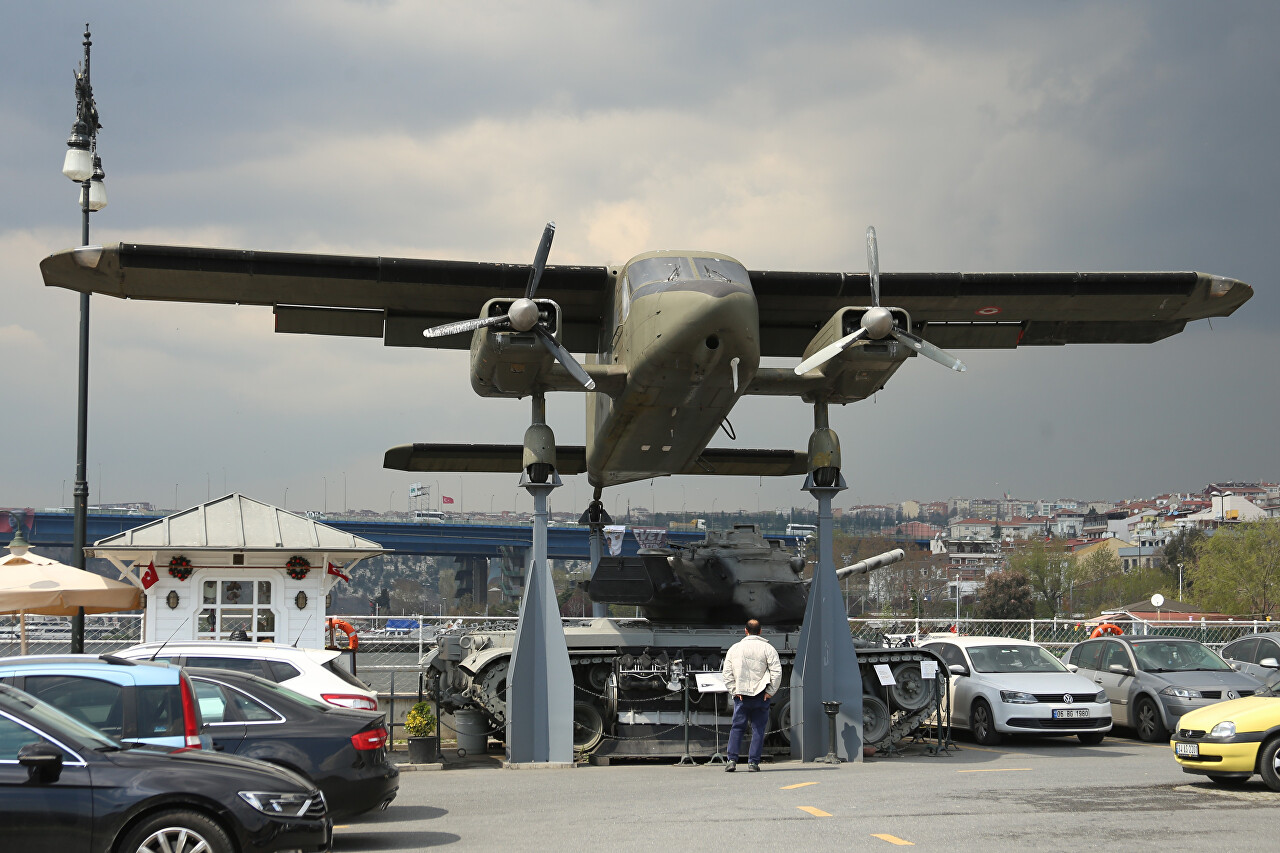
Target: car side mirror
[43, 762]
[1119, 669]
[958, 669]
[1073, 668]
[1269, 663]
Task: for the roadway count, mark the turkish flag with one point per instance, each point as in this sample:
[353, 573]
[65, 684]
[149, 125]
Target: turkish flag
[334, 570]
[149, 577]
[446, 499]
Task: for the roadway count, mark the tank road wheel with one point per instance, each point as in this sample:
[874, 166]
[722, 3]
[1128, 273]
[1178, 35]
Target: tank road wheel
[983, 724]
[910, 692]
[1148, 722]
[1269, 763]
[588, 726]
[875, 720]
[780, 716]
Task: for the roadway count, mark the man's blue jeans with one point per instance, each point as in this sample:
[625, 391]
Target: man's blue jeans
[753, 710]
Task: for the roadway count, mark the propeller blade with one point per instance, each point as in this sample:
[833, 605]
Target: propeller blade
[928, 350]
[564, 357]
[540, 260]
[873, 264]
[465, 326]
[830, 351]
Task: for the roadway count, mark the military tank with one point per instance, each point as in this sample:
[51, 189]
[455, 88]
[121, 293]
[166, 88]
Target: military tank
[630, 675]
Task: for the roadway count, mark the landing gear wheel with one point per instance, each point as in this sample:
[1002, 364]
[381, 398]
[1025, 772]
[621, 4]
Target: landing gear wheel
[875, 720]
[1269, 763]
[588, 726]
[177, 831]
[1148, 722]
[1091, 738]
[910, 692]
[983, 724]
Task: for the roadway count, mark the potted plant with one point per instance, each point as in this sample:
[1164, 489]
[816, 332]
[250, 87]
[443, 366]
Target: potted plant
[420, 726]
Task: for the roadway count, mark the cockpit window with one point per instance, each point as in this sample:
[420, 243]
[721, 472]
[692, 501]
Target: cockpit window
[718, 269]
[657, 269]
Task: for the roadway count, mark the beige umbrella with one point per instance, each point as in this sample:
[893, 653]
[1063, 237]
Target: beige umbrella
[30, 583]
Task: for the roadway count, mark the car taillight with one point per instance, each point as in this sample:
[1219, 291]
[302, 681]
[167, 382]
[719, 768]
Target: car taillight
[351, 700]
[190, 723]
[370, 739]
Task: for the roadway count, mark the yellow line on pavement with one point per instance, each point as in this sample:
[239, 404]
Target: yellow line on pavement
[996, 751]
[893, 839]
[797, 785]
[815, 812]
[994, 770]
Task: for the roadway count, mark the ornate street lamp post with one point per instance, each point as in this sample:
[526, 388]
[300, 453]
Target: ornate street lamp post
[84, 166]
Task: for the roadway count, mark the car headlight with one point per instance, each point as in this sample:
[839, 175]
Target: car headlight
[1181, 692]
[1018, 697]
[1101, 698]
[1224, 729]
[292, 805]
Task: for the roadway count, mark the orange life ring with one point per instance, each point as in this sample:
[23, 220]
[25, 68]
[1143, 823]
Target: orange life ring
[1106, 628]
[341, 624]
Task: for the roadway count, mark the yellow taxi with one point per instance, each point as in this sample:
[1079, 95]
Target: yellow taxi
[1230, 741]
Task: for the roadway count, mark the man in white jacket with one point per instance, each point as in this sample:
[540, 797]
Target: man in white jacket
[752, 673]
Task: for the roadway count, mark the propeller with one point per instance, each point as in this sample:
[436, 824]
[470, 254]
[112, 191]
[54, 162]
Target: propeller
[524, 316]
[877, 323]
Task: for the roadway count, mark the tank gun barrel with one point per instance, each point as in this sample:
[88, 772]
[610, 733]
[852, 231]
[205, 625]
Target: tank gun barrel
[879, 561]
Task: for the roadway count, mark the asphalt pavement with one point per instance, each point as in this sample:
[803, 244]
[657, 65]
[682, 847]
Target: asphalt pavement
[1043, 795]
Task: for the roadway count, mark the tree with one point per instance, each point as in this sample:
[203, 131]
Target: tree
[1049, 567]
[1237, 570]
[1180, 550]
[1007, 595]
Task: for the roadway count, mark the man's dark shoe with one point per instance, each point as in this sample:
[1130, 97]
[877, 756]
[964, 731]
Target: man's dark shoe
[730, 767]
[754, 768]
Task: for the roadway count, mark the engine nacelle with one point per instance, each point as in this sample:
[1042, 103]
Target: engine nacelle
[861, 370]
[507, 363]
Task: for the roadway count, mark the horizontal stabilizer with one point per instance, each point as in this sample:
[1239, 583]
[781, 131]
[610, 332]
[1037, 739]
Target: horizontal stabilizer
[476, 458]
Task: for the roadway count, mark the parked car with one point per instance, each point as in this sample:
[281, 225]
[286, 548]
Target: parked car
[1153, 680]
[66, 785]
[1001, 686]
[312, 672]
[342, 750]
[132, 701]
[1256, 654]
[1230, 741]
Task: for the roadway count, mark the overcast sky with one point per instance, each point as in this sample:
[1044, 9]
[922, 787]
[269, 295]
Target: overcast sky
[974, 136]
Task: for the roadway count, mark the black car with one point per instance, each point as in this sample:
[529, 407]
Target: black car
[66, 786]
[343, 750]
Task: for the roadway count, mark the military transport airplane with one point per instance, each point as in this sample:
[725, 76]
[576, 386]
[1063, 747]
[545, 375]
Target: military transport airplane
[674, 338]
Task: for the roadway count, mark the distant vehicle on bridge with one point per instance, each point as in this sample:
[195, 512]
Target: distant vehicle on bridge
[428, 516]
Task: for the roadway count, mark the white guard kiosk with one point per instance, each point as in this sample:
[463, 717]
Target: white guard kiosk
[235, 564]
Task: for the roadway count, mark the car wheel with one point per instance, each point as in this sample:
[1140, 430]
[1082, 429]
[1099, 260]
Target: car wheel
[177, 831]
[1227, 781]
[1269, 763]
[1148, 722]
[983, 724]
[1091, 738]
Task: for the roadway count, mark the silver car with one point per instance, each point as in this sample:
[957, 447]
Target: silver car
[1153, 681]
[1256, 654]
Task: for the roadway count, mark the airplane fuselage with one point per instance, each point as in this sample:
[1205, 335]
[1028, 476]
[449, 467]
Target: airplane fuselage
[686, 326]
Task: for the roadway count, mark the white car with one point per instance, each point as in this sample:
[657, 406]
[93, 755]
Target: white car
[1000, 686]
[317, 673]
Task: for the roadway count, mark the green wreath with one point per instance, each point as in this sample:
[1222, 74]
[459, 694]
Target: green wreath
[180, 568]
[298, 567]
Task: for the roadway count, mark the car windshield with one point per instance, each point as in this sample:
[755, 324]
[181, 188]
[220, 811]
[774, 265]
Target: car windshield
[1013, 657]
[1177, 656]
[53, 721]
[1273, 685]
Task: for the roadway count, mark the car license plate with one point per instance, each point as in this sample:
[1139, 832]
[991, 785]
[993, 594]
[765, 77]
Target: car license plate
[1191, 750]
[1070, 713]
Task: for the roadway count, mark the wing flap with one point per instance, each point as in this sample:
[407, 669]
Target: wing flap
[476, 458]
[733, 462]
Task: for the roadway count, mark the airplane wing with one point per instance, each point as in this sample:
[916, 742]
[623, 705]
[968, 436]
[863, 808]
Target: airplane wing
[999, 310]
[507, 459]
[389, 298]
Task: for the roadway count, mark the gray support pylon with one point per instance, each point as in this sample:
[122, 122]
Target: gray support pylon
[826, 665]
[540, 679]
